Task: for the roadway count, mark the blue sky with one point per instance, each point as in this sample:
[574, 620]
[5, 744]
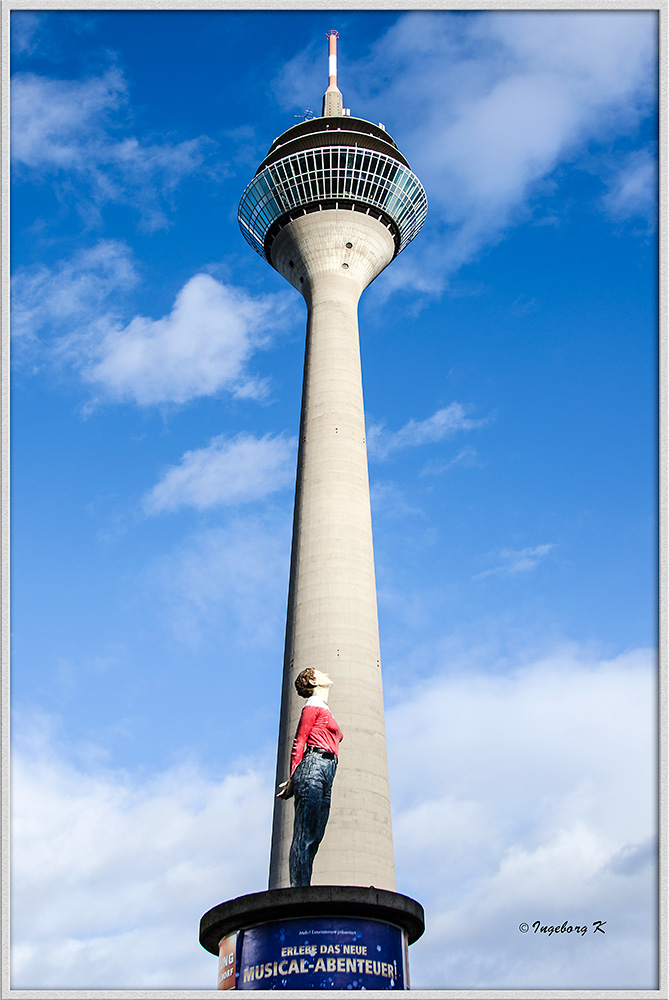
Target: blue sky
[509, 367]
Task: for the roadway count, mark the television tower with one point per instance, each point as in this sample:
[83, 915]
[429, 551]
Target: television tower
[330, 206]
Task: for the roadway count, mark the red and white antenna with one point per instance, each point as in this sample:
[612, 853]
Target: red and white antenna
[332, 37]
[333, 102]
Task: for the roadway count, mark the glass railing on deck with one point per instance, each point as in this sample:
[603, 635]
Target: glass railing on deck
[300, 180]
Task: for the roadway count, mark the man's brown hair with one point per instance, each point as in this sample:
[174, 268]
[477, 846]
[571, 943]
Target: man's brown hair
[305, 682]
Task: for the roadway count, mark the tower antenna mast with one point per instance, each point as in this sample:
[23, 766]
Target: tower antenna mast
[333, 102]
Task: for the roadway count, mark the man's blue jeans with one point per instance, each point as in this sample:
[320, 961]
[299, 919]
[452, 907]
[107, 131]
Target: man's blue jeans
[312, 785]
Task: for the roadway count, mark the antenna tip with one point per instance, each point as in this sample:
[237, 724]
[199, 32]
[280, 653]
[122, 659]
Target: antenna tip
[332, 31]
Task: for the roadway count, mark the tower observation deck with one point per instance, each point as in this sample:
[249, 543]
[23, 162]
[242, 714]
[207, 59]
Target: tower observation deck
[340, 163]
[330, 206]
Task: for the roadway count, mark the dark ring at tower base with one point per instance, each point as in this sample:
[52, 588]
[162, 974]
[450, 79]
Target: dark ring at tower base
[311, 901]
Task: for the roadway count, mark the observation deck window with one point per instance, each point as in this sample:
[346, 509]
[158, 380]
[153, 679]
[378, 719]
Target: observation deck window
[329, 174]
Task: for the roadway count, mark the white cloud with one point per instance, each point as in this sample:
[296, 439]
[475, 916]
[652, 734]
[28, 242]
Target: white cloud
[200, 348]
[55, 121]
[517, 560]
[387, 498]
[533, 86]
[227, 471]
[24, 27]
[75, 311]
[633, 188]
[529, 795]
[523, 306]
[111, 874]
[443, 423]
[467, 458]
[519, 794]
[486, 106]
[76, 291]
[229, 581]
[68, 126]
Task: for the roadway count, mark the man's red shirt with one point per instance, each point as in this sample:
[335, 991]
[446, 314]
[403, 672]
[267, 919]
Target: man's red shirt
[316, 728]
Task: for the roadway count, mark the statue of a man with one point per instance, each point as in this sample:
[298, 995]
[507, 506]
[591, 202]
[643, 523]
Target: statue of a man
[313, 764]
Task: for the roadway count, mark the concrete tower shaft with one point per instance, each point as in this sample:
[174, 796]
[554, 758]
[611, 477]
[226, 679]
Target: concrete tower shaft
[331, 256]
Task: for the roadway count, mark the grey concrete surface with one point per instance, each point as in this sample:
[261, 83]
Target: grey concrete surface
[331, 257]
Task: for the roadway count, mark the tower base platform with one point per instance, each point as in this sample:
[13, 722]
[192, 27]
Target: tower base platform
[318, 937]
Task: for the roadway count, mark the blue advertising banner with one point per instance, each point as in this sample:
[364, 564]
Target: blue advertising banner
[321, 953]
